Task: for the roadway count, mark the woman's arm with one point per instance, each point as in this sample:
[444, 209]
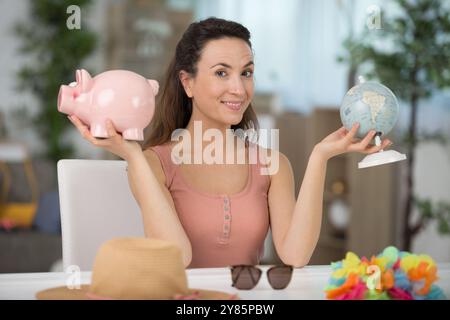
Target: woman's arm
[147, 183]
[296, 224]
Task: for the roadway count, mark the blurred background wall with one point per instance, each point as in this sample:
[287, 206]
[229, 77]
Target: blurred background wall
[299, 88]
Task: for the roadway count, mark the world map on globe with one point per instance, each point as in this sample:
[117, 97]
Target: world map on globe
[371, 104]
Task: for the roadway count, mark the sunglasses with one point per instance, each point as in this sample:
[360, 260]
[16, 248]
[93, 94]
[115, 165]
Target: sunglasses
[246, 277]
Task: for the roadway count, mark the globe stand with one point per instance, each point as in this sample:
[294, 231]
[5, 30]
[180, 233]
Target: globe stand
[380, 157]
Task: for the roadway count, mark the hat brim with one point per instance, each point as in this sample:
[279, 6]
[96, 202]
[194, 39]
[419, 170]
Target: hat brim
[64, 293]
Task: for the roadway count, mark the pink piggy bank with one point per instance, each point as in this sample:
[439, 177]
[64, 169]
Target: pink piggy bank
[125, 97]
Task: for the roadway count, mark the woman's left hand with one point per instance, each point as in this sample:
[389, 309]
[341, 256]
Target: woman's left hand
[343, 141]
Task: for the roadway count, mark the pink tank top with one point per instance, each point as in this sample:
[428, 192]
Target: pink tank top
[223, 229]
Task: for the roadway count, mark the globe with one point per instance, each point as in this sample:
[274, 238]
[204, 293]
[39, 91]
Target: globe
[371, 104]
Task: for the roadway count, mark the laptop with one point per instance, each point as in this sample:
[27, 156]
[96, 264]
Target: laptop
[96, 205]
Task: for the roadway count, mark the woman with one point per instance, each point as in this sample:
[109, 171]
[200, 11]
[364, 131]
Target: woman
[219, 214]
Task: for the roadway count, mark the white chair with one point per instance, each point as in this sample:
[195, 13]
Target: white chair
[96, 205]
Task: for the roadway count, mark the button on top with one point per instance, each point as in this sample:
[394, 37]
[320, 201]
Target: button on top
[226, 202]
[227, 220]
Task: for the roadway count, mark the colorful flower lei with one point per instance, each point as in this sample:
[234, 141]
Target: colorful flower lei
[393, 274]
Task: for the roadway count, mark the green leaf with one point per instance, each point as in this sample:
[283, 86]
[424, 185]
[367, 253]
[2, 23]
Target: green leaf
[439, 211]
[443, 226]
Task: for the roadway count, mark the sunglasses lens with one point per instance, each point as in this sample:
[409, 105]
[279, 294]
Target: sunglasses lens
[279, 277]
[245, 277]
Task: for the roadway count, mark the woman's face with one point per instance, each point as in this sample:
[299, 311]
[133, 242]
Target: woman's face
[223, 87]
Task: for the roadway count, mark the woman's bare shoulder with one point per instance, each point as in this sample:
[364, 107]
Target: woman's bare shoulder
[274, 159]
[154, 161]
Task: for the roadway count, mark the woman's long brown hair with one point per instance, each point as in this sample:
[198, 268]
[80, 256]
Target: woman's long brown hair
[174, 108]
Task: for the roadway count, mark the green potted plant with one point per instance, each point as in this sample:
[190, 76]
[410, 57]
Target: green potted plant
[409, 54]
[55, 51]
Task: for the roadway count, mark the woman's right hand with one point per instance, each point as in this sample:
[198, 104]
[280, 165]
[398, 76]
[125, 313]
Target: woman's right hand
[115, 144]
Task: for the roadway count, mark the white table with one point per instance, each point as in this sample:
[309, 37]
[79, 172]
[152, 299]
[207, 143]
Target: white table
[306, 283]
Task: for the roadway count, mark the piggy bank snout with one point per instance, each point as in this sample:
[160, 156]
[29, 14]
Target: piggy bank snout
[65, 99]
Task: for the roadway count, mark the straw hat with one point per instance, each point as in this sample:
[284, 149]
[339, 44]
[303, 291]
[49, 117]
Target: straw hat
[135, 268]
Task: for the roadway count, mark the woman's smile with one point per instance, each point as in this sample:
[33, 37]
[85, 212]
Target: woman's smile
[233, 105]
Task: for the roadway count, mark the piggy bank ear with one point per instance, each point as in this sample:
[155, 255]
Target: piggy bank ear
[84, 80]
[155, 86]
